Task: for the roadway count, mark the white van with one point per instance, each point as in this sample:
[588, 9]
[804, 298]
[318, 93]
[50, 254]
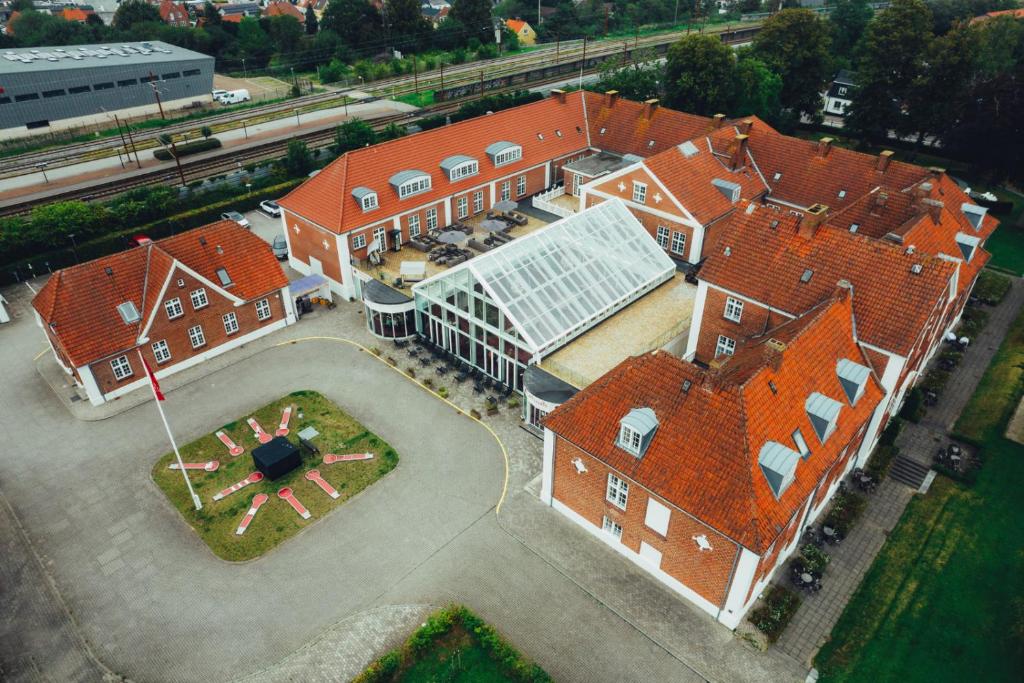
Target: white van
[235, 96]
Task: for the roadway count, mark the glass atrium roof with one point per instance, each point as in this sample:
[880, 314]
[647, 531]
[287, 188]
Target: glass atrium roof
[562, 280]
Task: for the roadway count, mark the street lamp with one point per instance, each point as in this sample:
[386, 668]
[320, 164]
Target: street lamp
[296, 116]
[42, 168]
[245, 130]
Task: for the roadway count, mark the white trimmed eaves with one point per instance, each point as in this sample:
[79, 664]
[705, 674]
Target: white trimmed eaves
[144, 334]
[687, 220]
[217, 288]
[756, 302]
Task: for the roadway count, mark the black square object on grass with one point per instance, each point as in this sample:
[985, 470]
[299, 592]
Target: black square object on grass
[276, 458]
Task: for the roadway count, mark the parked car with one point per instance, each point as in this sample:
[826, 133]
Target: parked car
[270, 207]
[280, 247]
[236, 217]
[218, 93]
[235, 96]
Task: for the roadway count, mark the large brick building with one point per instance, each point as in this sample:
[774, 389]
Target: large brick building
[705, 477]
[178, 301]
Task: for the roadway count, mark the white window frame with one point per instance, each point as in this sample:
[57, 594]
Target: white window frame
[415, 186]
[630, 439]
[662, 236]
[121, 367]
[521, 186]
[612, 528]
[263, 310]
[464, 170]
[575, 184]
[230, 323]
[478, 201]
[381, 233]
[200, 295]
[678, 243]
[369, 202]
[462, 207]
[733, 309]
[507, 156]
[617, 492]
[431, 219]
[196, 334]
[161, 352]
[639, 192]
[359, 241]
[725, 346]
[506, 190]
[174, 308]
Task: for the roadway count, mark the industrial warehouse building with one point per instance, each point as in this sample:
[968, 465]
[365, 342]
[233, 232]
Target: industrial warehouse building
[54, 88]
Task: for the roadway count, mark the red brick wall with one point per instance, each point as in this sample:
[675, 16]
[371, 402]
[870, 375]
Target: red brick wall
[705, 572]
[486, 190]
[175, 332]
[309, 242]
[754, 320]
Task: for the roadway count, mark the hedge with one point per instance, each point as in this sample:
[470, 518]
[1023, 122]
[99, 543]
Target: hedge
[780, 604]
[117, 241]
[188, 148]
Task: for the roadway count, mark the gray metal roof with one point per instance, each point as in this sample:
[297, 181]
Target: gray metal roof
[405, 176]
[688, 149]
[380, 293]
[729, 189]
[496, 148]
[853, 377]
[43, 59]
[448, 163]
[823, 412]
[598, 164]
[545, 386]
[360, 192]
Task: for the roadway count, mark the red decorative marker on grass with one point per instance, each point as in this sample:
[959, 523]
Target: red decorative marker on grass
[251, 479]
[314, 476]
[260, 434]
[286, 416]
[330, 458]
[206, 466]
[257, 500]
[286, 494]
[233, 448]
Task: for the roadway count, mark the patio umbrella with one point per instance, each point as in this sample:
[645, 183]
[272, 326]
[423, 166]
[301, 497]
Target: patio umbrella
[452, 237]
[506, 205]
[493, 225]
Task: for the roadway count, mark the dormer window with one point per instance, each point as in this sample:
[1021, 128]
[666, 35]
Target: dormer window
[778, 465]
[366, 197]
[636, 430]
[853, 377]
[968, 245]
[409, 183]
[823, 413]
[504, 152]
[974, 214]
[729, 189]
[459, 166]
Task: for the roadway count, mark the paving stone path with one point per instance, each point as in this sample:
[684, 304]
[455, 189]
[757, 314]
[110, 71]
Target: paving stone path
[819, 613]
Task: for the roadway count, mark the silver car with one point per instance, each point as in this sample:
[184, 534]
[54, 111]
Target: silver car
[236, 217]
[280, 247]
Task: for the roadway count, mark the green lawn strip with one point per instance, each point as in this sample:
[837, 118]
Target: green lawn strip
[276, 520]
[453, 645]
[1006, 245]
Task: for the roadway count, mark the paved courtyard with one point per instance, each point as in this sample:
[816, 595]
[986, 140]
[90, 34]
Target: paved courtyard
[117, 583]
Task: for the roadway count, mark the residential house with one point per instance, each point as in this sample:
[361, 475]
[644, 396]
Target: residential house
[523, 31]
[174, 14]
[283, 8]
[839, 96]
[177, 302]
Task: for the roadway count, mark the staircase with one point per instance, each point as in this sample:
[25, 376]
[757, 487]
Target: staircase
[907, 471]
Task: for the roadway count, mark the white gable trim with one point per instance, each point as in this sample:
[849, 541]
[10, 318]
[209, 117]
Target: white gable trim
[771, 309]
[686, 219]
[144, 334]
[217, 288]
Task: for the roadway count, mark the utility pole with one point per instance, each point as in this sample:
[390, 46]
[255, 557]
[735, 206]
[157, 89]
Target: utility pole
[415, 76]
[606, 19]
[442, 79]
[583, 64]
[156, 94]
[123, 143]
[558, 45]
[177, 161]
[481, 83]
[128, 130]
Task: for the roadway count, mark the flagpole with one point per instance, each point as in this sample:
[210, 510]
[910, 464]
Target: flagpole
[195, 499]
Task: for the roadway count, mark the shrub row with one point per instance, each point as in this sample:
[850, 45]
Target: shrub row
[846, 509]
[771, 618]
[991, 287]
[440, 624]
[184, 150]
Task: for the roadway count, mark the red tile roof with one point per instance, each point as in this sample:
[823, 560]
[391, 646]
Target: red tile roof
[81, 301]
[516, 25]
[625, 128]
[76, 14]
[765, 263]
[281, 8]
[703, 457]
[233, 18]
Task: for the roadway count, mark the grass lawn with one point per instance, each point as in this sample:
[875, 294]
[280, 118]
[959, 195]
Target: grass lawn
[455, 657]
[276, 520]
[944, 600]
[424, 98]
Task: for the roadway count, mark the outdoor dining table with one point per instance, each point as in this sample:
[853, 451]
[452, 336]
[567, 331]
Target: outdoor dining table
[806, 578]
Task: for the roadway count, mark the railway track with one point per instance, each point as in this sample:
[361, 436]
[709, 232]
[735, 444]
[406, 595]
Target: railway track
[230, 160]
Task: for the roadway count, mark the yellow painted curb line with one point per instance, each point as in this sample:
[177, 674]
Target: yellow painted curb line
[504, 453]
[40, 354]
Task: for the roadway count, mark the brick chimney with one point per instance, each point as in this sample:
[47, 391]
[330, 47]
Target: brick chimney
[745, 126]
[934, 209]
[811, 220]
[824, 147]
[738, 159]
[609, 97]
[881, 198]
[884, 157]
[649, 107]
[717, 120]
[936, 171]
[559, 95]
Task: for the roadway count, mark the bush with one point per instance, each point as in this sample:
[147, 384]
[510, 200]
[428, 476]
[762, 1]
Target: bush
[891, 431]
[913, 405]
[188, 148]
[935, 380]
[846, 509]
[427, 382]
[771, 618]
[442, 392]
[814, 558]
[972, 322]
[513, 402]
[881, 460]
[991, 287]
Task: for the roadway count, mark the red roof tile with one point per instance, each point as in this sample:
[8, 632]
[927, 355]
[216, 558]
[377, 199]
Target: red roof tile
[703, 457]
[281, 8]
[765, 262]
[81, 301]
[625, 128]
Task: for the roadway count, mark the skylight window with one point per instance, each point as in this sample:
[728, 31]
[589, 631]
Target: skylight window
[806, 275]
[540, 136]
[854, 227]
[823, 413]
[129, 314]
[842, 194]
[225, 279]
[558, 132]
[801, 444]
[601, 132]
[778, 176]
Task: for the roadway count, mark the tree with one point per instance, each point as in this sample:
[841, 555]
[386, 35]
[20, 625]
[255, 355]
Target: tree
[406, 27]
[312, 23]
[357, 22]
[699, 74]
[950, 60]
[353, 135]
[164, 139]
[848, 20]
[206, 132]
[34, 28]
[131, 12]
[298, 162]
[475, 15]
[795, 44]
[22, 6]
[758, 90]
[890, 58]
[638, 80]
[392, 131]
[285, 33]
[252, 42]
[211, 14]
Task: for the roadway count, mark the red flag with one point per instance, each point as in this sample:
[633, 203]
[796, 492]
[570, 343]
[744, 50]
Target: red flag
[152, 380]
